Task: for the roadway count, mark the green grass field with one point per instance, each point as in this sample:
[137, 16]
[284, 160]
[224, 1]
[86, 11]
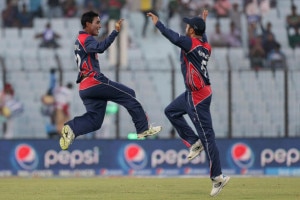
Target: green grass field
[129, 188]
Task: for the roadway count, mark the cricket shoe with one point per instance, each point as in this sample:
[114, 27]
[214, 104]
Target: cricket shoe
[153, 130]
[218, 183]
[195, 150]
[67, 137]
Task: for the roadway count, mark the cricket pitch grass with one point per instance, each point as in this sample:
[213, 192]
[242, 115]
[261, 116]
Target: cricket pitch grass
[131, 188]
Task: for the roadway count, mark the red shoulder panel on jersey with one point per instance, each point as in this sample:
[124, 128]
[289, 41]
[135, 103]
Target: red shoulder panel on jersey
[81, 38]
[196, 42]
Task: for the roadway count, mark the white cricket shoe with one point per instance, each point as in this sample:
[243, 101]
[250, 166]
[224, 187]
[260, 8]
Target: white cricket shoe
[153, 130]
[218, 183]
[195, 150]
[67, 137]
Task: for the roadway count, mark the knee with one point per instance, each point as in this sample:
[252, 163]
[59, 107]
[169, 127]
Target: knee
[131, 92]
[94, 124]
[95, 120]
[97, 126]
[167, 112]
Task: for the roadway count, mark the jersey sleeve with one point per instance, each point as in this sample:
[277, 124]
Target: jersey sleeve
[93, 46]
[181, 41]
[204, 37]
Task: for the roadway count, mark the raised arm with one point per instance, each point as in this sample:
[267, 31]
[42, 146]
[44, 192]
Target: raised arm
[118, 25]
[204, 16]
[94, 46]
[174, 37]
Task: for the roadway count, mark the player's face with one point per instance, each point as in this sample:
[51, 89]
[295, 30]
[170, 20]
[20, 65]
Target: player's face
[95, 26]
[187, 30]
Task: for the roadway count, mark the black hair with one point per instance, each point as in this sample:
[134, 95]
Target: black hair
[88, 17]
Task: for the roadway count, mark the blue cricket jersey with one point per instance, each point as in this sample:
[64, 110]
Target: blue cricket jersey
[194, 56]
[86, 49]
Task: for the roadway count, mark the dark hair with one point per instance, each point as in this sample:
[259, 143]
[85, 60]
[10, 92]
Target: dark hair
[88, 17]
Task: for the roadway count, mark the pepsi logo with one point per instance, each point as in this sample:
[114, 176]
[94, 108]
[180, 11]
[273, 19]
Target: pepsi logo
[103, 171]
[159, 171]
[135, 156]
[187, 170]
[242, 155]
[131, 172]
[26, 157]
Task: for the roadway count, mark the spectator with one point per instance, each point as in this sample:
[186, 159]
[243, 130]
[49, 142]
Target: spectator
[172, 9]
[62, 98]
[6, 96]
[110, 11]
[204, 5]
[264, 6]
[25, 18]
[266, 31]
[54, 9]
[294, 38]
[222, 8]
[217, 38]
[257, 53]
[183, 10]
[235, 15]
[69, 8]
[194, 7]
[36, 8]
[48, 37]
[172, 133]
[253, 33]
[269, 44]
[234, 36]
[52, 83]
[10, 14]
[145, 7]
[114, 8]
[95, 3]
[293, 20]
[189, 8]
[273, 4]
[252, 11]
[276, 58]
[10, 108]
[92, 5]
[47, 108]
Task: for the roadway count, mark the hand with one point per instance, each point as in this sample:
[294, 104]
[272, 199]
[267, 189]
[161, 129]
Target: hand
[204, 14]
[153, 17]
[118, 25]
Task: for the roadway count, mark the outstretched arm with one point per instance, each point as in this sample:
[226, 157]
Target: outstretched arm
[174, 37]
[94, 46]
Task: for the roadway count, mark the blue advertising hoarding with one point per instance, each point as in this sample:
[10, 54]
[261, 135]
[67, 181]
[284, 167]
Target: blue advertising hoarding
[146, 158]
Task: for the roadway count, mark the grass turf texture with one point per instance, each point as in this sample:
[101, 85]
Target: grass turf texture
[119, 188]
